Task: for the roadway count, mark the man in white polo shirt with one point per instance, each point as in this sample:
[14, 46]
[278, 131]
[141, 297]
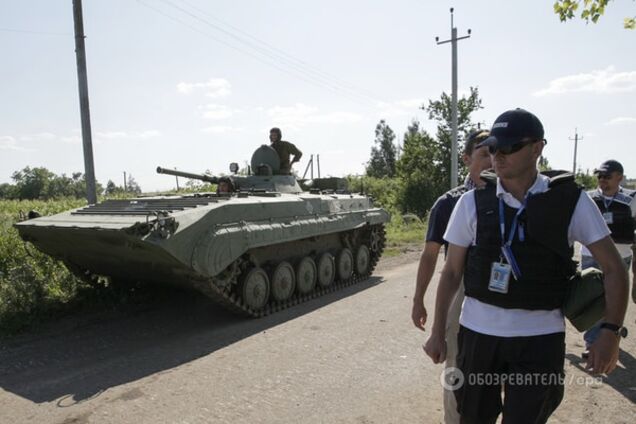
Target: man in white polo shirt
[512, 243]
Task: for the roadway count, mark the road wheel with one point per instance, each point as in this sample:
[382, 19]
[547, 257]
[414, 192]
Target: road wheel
[375, 242]
[255, 288]
[283, 282]
[345, 264]
[306, 274]
[363, 259]
[326, 269]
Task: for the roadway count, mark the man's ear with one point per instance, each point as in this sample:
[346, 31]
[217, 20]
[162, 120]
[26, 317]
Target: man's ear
[466, 159]
[537, 149]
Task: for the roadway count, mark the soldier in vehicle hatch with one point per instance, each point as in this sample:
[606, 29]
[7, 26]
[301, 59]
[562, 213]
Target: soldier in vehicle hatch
[284, 150]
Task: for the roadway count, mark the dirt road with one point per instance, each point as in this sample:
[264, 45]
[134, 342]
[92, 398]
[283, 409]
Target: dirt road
[349, 357]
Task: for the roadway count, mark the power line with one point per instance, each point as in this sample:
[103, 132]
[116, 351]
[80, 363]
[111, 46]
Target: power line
[273, 55]
[284, 55]
[274, 65]
[267, 58]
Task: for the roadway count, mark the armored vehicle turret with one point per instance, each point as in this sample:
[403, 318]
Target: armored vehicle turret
[261, 247]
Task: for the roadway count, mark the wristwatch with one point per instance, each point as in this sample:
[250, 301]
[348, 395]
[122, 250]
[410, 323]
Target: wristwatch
[616, 329]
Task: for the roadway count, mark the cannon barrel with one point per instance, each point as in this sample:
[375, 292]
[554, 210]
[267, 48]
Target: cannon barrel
[202, 177]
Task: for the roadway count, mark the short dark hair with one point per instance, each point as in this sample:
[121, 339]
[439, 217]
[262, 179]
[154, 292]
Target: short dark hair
[474, 138]
[276, 130]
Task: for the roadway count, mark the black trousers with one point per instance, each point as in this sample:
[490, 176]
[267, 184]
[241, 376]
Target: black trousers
[528, 369]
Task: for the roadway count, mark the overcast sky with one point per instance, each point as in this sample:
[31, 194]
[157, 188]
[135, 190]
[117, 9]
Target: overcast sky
[197, 84]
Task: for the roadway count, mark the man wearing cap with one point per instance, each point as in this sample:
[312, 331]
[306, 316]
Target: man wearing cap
[512, 243]
[618, 207]
[284, 149]
[476, 160]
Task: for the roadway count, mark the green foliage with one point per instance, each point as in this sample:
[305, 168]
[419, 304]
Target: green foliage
[421, 170]
[544, 165]
[40, 183]
[587, 180]
[441, 112]
[196, 186]
[113, 189]
[131, 189]
[384, 191]
[592, 11]
[383, 154]
[8, 191]
[401, 232]
[32, 284]
[425, 165]
[132, 186]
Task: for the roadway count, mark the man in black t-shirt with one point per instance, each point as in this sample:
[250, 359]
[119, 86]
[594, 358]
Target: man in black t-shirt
[476, 160]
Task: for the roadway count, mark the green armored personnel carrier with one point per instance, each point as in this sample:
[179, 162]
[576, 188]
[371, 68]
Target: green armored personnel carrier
[259, 248]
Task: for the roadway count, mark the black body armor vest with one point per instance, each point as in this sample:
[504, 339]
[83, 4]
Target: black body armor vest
[544, 257]
[622, 227]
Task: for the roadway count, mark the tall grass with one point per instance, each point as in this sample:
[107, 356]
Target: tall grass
[404, 232]
[32, 284]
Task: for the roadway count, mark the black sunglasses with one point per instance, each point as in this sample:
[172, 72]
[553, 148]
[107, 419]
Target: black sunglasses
[603, 176]
[510, 148]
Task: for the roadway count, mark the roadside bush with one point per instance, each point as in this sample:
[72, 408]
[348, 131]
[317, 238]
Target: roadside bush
[32, 284]
[384, 191]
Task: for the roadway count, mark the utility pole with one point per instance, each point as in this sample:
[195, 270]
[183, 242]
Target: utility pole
[576, 144]
[309, 164]
[80, 55]
[125, 189]
[177, 178]
[453, 40]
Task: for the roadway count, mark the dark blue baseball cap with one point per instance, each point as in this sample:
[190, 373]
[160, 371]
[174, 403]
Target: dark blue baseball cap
[609, 166]
[513, 126]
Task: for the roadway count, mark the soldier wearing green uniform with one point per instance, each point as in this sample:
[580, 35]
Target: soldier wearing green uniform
[284, 149]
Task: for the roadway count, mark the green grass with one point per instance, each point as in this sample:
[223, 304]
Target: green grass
[400, 234]
[33, 286]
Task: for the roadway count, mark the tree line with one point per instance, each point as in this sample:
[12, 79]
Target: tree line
[409, 178]
[39, 183]
[418, 171]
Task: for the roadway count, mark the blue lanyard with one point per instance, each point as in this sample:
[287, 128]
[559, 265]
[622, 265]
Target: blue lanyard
[608, 203]
[506, 250]
[515, 221]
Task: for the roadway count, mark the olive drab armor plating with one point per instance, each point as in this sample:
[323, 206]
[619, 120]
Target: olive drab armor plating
[263, 247]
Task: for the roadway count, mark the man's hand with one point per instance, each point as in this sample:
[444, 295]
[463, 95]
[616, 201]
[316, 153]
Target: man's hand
[418, 314]
[435, 348]
[425, 271]
[603, 354]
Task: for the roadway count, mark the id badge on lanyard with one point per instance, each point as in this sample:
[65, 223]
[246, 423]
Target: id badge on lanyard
[499, 277]
[500, 272]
